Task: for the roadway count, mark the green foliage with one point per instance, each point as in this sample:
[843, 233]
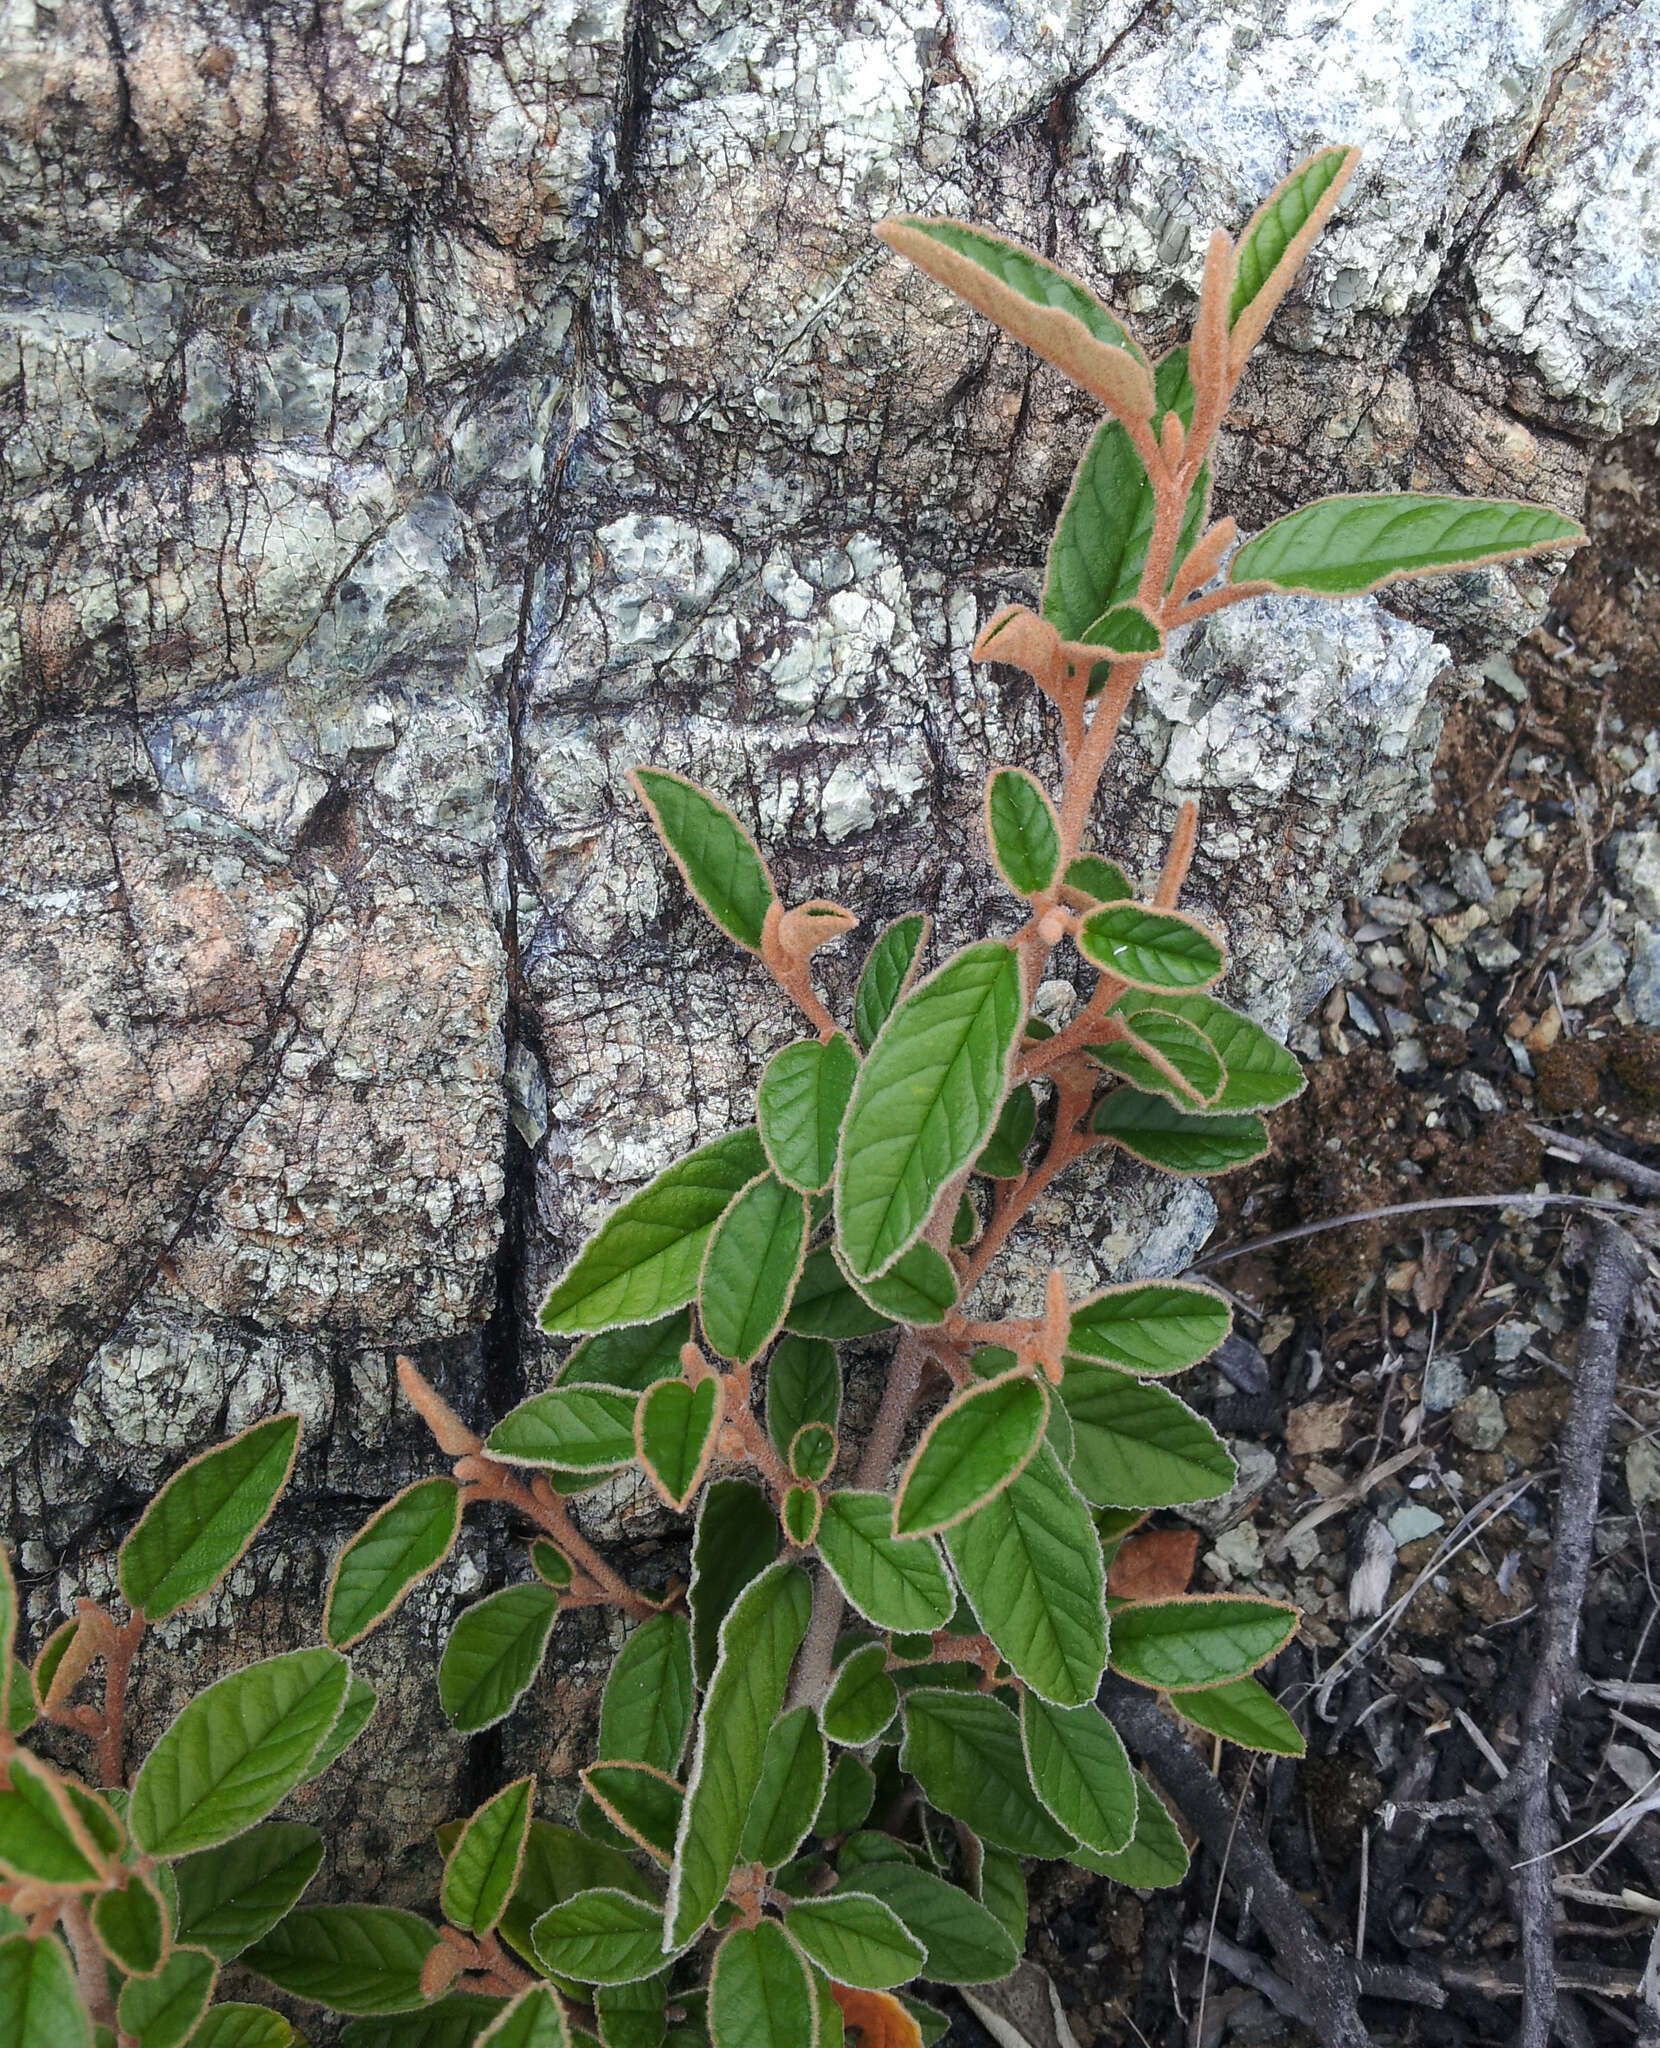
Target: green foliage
[410, 1537]
[494, 1651]
[205, 1517]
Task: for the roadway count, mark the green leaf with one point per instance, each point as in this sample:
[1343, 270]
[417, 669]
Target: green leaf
[799, 1513]
[848, 1795]
[758, 1642]
[572, 1429]
[812, 1452]
[256, 2026]
[963, 1748]
[919, 1287]
[1162, 949]
[1080, 1771]
[721, 863]
[1127, 629]
[39, 2005]
[889, 969]
[1030, 1562]
[355, 1716]
[675, 1432]
[205, 1517]
[228, 1897]
[559, 1863]
[1278, 234]
[645, 1257]
[825, 1306]
[633, 2015]
[355, 1959]
[161, 2011]
[602, 1937]
[535, 2019]
[803, 1098]
[804, 1384]
[131, 1926]
[1153, 1326]
[551, 1565]
[760, 1994]
[1005, 1155]
[962, 1942]
[971, 1450]
[483, 1867]
[1022, 831]
[645, 1804]
[751, 1267]
[1244, 1712]
[235, 1750]
[39, 1835]
[1003, 1892]
[897, 1582]
[925, 1101]
[494, 1651]
[862, 1700]
[1179, 1141]
[1137, 1446]
[857, 1940]
[635, 1357]
[1191, 1073]
[794, 1770]
[1102, 881]
[735, 1541]
[1261, 1074]
[1193, 1641]
[646, 1712]
[409, 1538]
[1343, 546]
[1156, 1857]
[454, 2022]
[22, 1709]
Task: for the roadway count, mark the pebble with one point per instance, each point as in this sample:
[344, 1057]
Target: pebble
[1470, 877]
[1445, 1384]
[1478, 1421]
[1637, 869]
[1511, 1339]
[1408, 1523]
[1492, 951]
[1642, 988]
[1597, 972]
[1480, 1093]
[1257, 1466]
[1360, 1015]
[1409, 1056]
[1435, 900]
[1642, 1472]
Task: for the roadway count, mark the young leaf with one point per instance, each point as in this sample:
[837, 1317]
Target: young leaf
[42, 1837]
[1040, 305]
[862, 1699]
[897, 1582]
[1156, 1857]
[919, 1287]
[1030, 1562]
[963, 1748]
[646, 1712]
[1179, 1141]
[645, 1257]
[364, 1959]
[228, 1897]
[794, 1769]
[644, 1804]
[1151, 1326]
[674, 1432]
[1080, 1771]
[535, 2019]
[602, 1937]
[760, 1993]
[1243, 1712]
[131, 1927]
[889, 970]
[962, 1942]
[735, 1541]
[162, 2011]
[1022, 831]
[721, 863]
[569, 1428]
[235, 1750]
[1276, 239]
[758, 1642]
[1138, 1446]
[1346, 545]
[1004, 1157]
[849, 1793]
[1095, 880]
[857, 1940]
[256, 2026]
[1260, 1073]
[1162, 949]
[812, 1452]
[970, 1452]
[39, 2005]
[824, 1306]
[802, 1100]
[925, 1101]
[751, 1267]
[205, 1517]
[1127, 629]
[634, 1357]
[390, 1555]
[1165, 1055]
[804, 1384]
[494, 1650]
[799, 1513]
[551, 1565]
[355, 1716]
[483, 1867]
[1195, 1641]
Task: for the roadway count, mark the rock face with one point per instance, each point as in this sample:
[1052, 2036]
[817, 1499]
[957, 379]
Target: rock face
[413, 415]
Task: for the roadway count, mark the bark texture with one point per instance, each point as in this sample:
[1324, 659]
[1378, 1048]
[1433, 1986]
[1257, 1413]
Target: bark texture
[412, 414]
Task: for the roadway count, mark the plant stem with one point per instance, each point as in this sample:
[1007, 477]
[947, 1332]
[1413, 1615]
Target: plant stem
[90, 1972]
[112, 1736]
[485, 1479]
